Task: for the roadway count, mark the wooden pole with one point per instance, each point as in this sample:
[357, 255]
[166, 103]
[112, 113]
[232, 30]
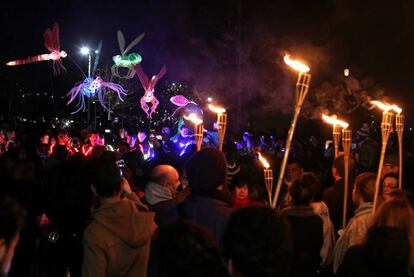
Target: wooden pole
[302, 88]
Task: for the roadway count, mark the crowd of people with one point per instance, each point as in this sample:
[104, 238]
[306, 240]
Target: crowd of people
[146, 203]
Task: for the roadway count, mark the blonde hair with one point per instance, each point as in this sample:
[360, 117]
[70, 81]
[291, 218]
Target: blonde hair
[398, 213]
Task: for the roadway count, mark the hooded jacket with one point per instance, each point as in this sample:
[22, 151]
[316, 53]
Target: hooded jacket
[117, 241]
[385, 252]
[354, 233]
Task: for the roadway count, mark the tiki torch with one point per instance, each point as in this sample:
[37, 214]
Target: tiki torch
[268, 177]
[221, 123]
[302, 88]
[336, 130]
[399, 125]
[386, 127]
[346, 145]
[198, 129]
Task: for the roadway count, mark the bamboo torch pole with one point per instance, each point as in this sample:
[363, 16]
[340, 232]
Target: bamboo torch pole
[386, 126]
[346, 145]
[399, 124]
[302, 88]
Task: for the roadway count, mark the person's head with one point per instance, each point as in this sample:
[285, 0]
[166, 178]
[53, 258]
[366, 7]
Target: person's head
[241, 185]
[63, 137]
[184, 248]
[12, 216]
[402, 195]
[107, 181]
[123, 147]
[257, 243]
[44, 139]
[300, 192]
[206, 170]
[241, 191]
[60, 152]
[165, 133]
[294, 170]
[389, 184]
[93, 139]
[390, 165]
[184, 131]
[364, 188]
[142, 135]
[97, 152]
[397, 213]
[166, 176]
[311, 180]
[338, 167]
[100, 139]
[123, 133]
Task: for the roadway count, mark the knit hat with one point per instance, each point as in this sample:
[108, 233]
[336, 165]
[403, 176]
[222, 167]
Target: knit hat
[206, 170]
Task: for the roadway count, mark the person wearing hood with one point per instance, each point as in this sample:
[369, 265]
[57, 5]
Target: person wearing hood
[209, 204]
[117, 240]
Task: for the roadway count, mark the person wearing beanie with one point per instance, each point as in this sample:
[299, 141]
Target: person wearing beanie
[208, 205]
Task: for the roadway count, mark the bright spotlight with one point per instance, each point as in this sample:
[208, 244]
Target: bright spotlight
[84, 51]
[209, 99]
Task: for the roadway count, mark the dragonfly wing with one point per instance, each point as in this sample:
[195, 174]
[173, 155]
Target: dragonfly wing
[121, 42]
[55, 37]
[134, 42]
[143, 78]
[47, 38]
[160, 74]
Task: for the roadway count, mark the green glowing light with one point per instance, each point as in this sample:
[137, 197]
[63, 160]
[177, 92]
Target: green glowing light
[127, 60]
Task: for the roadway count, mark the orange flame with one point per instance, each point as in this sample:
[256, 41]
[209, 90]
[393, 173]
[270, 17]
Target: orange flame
[216, 109]
[334, 121]
[387, 107]
[193, 118]
[263, 161]
[296, 65]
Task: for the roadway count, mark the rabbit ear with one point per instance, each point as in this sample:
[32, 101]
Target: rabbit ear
[134, 42]
[121, 42]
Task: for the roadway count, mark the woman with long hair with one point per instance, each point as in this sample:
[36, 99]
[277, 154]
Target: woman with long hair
[388, 249]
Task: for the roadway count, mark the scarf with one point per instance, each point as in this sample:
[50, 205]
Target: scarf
[155, 193]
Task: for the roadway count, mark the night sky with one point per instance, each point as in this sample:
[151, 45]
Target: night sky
[231, 50]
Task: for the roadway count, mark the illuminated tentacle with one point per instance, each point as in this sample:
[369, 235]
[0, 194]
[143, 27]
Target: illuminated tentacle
[74, 92]
[102, 100]
[82, 104]
[117, 88]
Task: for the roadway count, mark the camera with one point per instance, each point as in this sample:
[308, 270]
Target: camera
[121, 165]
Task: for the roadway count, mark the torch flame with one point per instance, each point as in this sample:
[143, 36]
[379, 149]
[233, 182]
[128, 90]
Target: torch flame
[216, 109]
[387, 107]
[296, 65]
[334, 121]
[263, 161]
[193, 118]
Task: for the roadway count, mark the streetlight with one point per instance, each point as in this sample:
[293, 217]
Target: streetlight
[86, 51]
